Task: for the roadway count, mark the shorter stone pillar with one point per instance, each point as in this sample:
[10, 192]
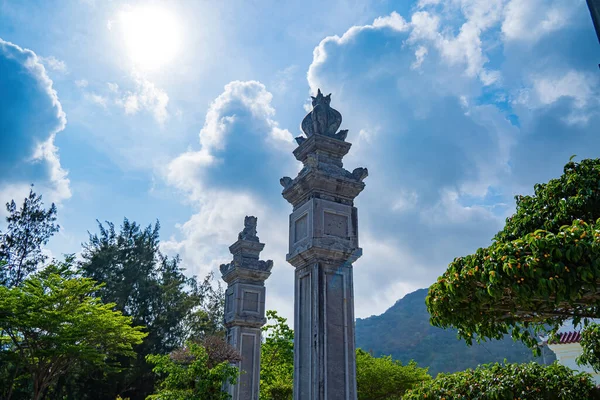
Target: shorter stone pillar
[245, 307]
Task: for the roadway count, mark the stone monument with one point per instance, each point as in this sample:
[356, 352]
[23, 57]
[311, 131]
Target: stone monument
[323, 244]
[245, 307]
[594, 6]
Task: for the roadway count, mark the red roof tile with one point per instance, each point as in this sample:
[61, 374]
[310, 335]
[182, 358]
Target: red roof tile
[567, 337]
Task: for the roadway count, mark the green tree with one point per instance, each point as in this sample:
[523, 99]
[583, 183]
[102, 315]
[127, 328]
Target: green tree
[152, 289]
[277, 359]
[542, 269]
[377, 378]
[192, 374]
[590, 344]
[385, 379]
[530, 381]
[54, 322]
[29, 228]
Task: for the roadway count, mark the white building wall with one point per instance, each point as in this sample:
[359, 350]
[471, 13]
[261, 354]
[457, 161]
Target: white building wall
[566, 354]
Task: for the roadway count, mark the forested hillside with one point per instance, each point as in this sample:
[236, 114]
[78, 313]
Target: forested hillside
[404, 332]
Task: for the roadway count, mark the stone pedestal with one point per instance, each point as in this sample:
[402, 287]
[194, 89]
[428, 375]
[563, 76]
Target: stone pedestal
[323, 244]
[245, 308]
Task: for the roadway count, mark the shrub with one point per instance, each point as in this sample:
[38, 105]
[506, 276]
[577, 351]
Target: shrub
[530, 381]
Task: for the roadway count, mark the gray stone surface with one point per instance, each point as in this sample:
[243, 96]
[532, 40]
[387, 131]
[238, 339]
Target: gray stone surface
[245, 307]
[594, 6]
[323, 244]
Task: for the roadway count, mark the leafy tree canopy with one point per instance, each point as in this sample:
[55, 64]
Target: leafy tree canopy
[277, 359]
[590, 344]
[530, 381]
[542, 269]
[385, 379]
[54, 322]
[29, 228]
[152, 289]
[191, 374]
[377, 378]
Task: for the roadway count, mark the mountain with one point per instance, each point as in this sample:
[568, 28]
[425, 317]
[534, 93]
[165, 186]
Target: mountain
[404, 332]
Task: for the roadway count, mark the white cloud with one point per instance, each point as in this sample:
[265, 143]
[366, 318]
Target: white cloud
[580, 87]
[424, 3]
[467, 46]
[145, 96]
[48, 152]
[449, 210]
[141, 96]
[97, 99]
[529, 20]
[394, 21]
[428, 27]
[188, 171]
[381, 255]
[404, 200]
[420, 54]
[32, 156]
[239, 141]
[113, 87]
[81, 83]
[250, 95]
[54, 64]
[454, 142]
[283, 78]
[208, 233]
[574, 84]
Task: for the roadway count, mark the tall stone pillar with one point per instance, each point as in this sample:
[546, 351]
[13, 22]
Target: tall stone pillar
[245, 307]
[323, 245]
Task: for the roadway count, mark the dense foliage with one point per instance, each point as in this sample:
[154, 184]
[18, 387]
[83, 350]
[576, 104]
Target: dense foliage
[277, 359]
[507, 382]
[150, 286]
[189, 374]
[404, 332]
[542, 269]
[152, 289]
[140, 282]
[377, 378]
[384, 378]
[590, 345]
[53, 323]
[29, 227]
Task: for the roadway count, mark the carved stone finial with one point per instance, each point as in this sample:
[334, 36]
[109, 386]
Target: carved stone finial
[341, 135]
[360, 173]
[300, 139]
[322, 120]
[224, 268]
[249, 232]
[285, 181]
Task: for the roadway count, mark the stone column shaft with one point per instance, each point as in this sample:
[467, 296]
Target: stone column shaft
[324, 320]
[323, 245]
[245, 308]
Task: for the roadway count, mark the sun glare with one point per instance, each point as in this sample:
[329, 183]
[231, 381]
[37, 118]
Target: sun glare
[152, 36]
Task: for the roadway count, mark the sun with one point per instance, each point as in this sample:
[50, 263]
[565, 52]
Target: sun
[151, 35]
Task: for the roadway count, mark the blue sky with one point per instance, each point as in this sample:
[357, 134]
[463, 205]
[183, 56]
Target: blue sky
[185, 111]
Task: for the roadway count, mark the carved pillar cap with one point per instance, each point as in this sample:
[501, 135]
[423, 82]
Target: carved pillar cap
[322, 145]
[333, 255]
[314, 182]
[246, 251]
[246, 248]
[231, 272]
